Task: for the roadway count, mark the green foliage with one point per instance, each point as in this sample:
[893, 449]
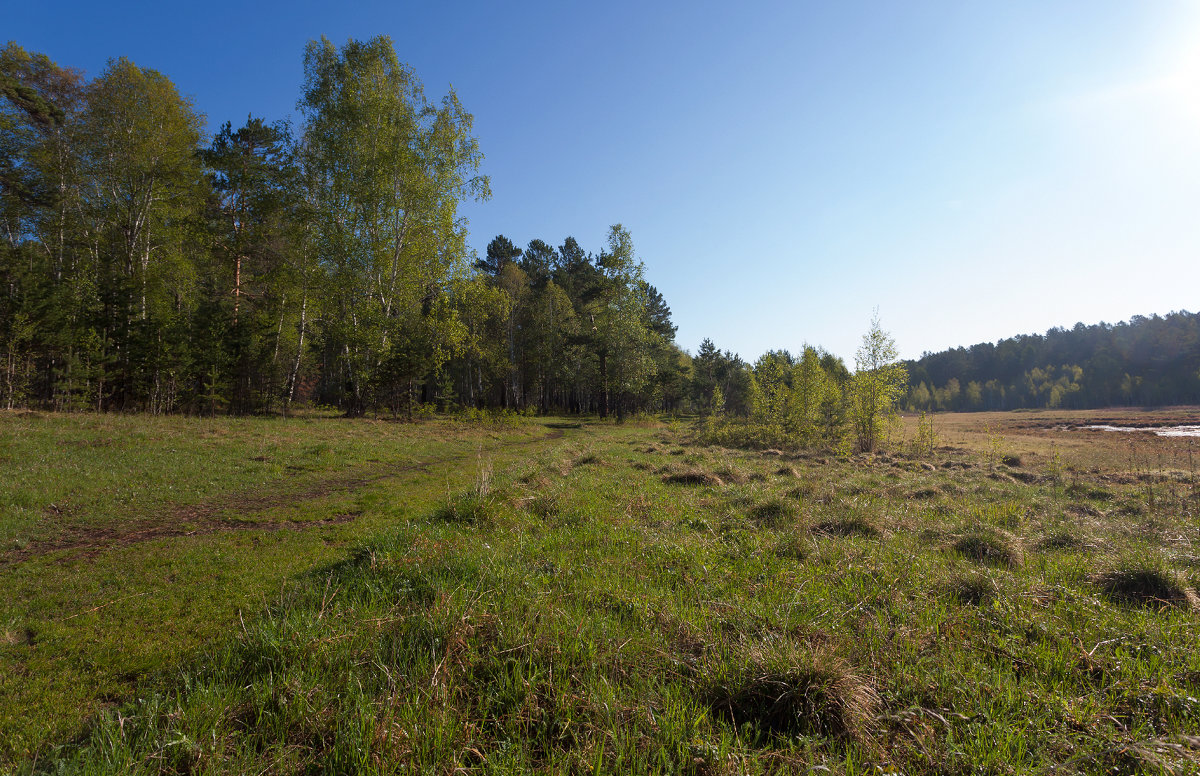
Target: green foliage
[390, 169]
[876, 387]
[924, 441]
[142, 272]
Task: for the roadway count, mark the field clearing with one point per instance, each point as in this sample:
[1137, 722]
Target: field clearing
[129, 541]
[591, 597]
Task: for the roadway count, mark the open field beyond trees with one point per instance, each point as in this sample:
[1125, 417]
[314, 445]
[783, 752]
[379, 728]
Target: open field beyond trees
[338, 596]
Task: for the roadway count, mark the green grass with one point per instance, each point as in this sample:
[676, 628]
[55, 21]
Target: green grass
[597, 604]
[140, 539]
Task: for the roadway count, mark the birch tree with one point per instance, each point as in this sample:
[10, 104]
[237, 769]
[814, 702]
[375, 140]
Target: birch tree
[140, 208]
[878, 383]
[391, 168]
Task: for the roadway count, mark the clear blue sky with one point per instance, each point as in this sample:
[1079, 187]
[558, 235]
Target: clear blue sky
[973, 170]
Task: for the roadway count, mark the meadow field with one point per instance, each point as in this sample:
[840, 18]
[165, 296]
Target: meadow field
[323, 595]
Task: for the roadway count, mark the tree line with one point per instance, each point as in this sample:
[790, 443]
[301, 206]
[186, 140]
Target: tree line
[145, 267]
[1146, 361]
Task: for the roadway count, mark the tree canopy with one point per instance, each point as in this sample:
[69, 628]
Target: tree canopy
[147, 268]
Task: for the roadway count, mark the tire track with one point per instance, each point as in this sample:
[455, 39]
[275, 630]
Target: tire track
[206, 517]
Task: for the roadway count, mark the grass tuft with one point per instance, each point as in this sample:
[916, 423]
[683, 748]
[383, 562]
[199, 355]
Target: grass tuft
[791, 548]
[993, 549]
[805, 490]
[732, 474]
[1084, 490]
[772, 511]
[470, 508]
[1061, 540]
[546, 504]
[972, 589]
[1143, 585]
[796, 694]
[693, 477]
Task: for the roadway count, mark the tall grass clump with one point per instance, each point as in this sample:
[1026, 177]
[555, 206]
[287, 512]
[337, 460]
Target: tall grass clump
[477, 505]
[790, 692]
[1139, 583]
[989, 547]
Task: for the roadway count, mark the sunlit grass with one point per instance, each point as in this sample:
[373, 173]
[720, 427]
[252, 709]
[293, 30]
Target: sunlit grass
[602, 605]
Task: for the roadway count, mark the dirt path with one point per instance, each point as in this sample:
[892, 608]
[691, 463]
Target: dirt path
[206, 517]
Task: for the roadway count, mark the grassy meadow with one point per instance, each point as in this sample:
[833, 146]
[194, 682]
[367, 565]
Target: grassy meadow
[332, 596]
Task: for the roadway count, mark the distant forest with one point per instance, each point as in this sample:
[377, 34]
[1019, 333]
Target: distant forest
[144, 267]
[1143, 362]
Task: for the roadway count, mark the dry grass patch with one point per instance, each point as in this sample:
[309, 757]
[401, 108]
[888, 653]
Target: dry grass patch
[16, 636]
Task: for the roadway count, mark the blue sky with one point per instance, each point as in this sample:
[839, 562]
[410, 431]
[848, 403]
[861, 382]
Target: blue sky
[972, 170]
